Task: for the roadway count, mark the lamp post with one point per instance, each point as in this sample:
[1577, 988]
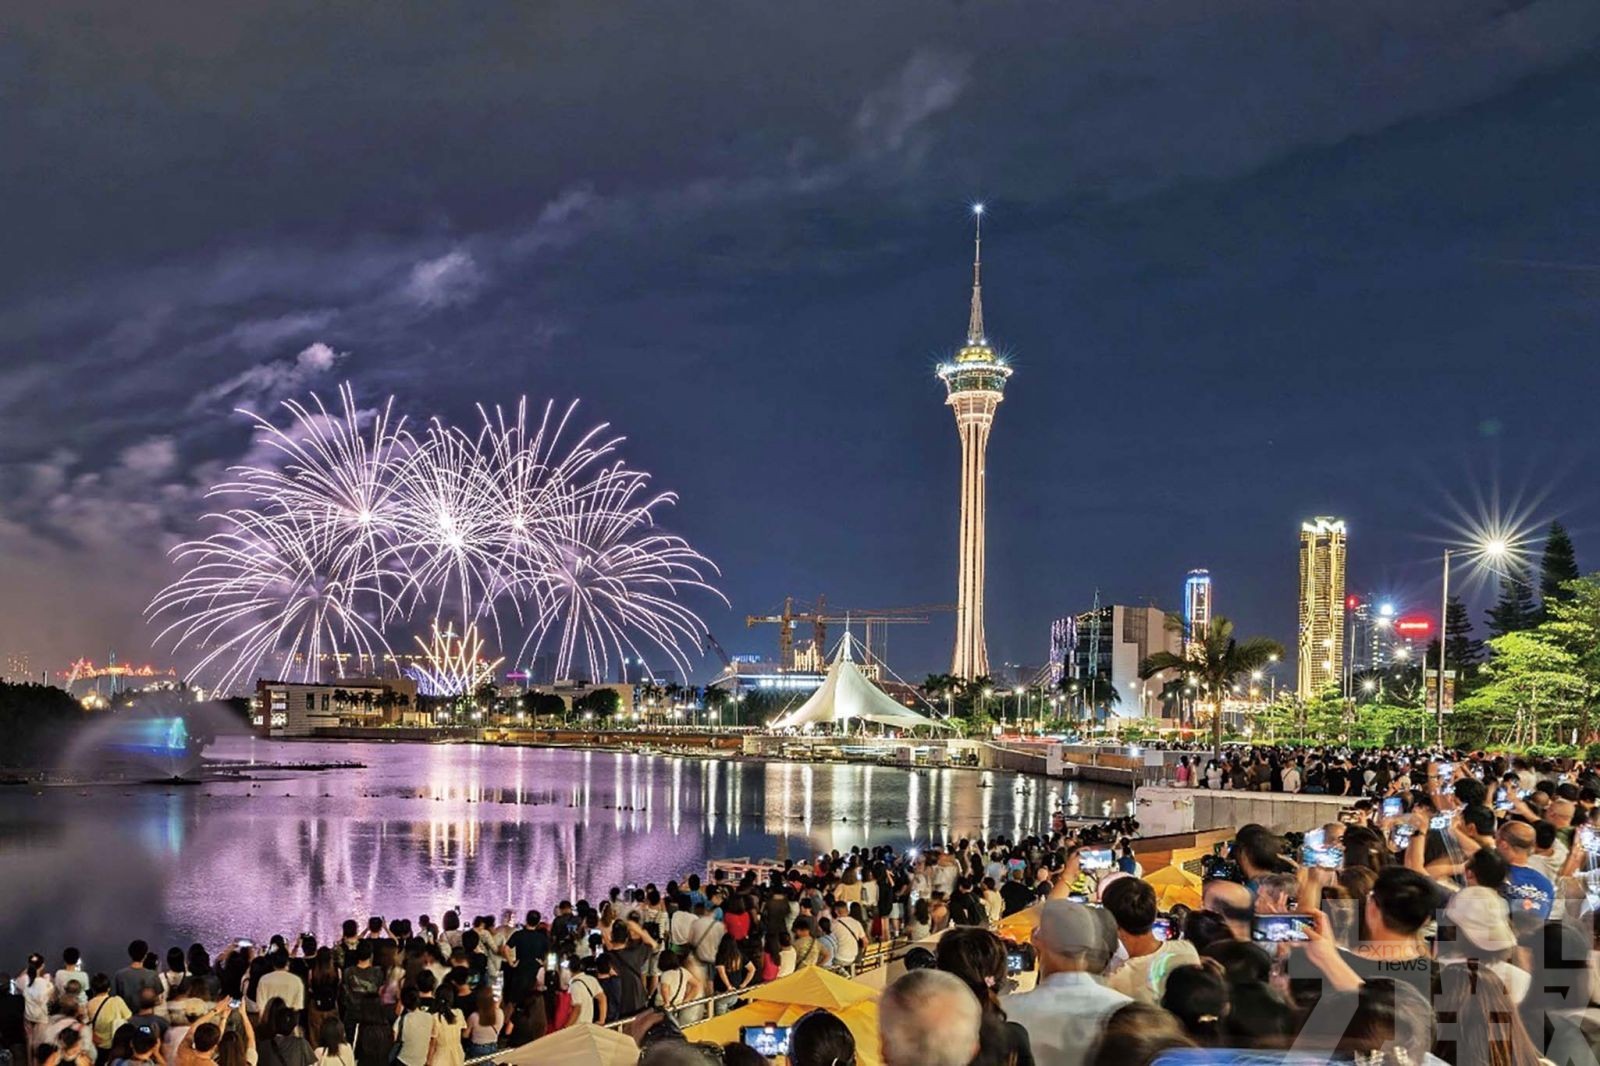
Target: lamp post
[1018, 691]
[1493, 549]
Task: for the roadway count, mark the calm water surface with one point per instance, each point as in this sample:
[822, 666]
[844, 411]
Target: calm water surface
[426, 827]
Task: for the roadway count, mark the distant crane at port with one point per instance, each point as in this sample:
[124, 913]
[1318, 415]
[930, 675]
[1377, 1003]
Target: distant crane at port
[874, 623]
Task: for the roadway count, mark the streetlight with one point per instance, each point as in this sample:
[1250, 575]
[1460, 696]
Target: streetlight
[1493, 549]
[1018, 691]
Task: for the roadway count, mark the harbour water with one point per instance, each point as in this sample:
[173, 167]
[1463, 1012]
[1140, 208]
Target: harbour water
[424, 827]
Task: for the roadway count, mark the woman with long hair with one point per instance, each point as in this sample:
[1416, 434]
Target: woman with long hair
[37, 991]
[332, 1049]
[528, 1022]
[237, 1046]
[483, 1024]
[1478, 1023]
[449, 1030]
[731, 974]
[979, 958]
[322, 991]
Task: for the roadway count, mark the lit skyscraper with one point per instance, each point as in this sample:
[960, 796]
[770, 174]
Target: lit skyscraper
[1196, 605]
[976, 383]
[1321, 647]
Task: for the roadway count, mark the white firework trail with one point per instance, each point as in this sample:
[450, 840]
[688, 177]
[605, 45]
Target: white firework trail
[273, 587]
[614, 576]
[359, 526]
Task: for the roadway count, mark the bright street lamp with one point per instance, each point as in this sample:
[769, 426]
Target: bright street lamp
[1494, 549]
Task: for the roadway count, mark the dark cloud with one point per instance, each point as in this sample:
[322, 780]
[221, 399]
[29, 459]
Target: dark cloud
[738, 232]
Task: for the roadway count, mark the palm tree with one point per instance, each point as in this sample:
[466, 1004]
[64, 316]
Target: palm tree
[1215, 662]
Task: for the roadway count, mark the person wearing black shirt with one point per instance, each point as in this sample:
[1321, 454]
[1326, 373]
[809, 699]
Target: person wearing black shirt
[1015, 894]
[529, 946]
[628, 948]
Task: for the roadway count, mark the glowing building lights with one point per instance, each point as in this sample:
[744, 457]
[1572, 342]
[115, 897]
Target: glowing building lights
[975, 384]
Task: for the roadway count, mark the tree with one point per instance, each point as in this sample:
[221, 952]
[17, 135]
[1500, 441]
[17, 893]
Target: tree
[1574, 624]
[600, 702]
[1462, 652]
[1215, 662]
[1532, 681]
[1557, 566]
[716, 701]
[1515, 610]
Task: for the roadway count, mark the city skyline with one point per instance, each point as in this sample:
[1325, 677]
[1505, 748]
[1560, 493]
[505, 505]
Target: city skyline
[1196, 270]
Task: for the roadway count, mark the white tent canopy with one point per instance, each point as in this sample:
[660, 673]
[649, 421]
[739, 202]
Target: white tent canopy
[846, 695]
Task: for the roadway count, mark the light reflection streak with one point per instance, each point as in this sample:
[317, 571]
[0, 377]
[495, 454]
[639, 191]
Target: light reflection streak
[423, 828]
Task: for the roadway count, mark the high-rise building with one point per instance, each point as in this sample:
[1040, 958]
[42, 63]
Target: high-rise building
[1321, 646]
[1108, 643]
[1196, 606]
[975, 382]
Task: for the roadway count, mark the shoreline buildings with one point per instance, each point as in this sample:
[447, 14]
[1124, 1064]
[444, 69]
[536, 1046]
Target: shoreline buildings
[975, 384]
[1319, 663]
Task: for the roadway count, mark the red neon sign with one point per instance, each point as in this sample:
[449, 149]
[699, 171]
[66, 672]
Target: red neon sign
[1414, 626]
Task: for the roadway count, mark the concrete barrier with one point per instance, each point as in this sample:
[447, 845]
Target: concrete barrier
[1162, 810]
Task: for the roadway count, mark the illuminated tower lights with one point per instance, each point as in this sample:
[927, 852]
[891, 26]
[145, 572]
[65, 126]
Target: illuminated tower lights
[1196, 606]
[1320, 659]
[975, 382]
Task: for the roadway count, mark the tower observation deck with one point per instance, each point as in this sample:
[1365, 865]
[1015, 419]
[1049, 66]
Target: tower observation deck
[975, 383]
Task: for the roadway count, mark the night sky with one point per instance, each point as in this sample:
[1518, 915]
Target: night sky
[1253, 262]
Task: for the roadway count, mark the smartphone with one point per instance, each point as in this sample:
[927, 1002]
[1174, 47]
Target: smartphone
[243, 943]
[1280, 928]
[1402, 834]
[1442, 821]
[551, 961]
[235, 1003]
[1015, 962]
[1393, 806]
[1078, 897]
[1162, 929]
[767, 1040]
[1315, 838]
[1329, 858]
[1502, 800]
[1445, 770]
[1589, 839]
[1090, 859]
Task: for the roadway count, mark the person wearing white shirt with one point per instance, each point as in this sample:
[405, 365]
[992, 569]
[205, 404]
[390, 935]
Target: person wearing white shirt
[1067, 1008]
[281, 984]
[1132, 905]
[72, 970]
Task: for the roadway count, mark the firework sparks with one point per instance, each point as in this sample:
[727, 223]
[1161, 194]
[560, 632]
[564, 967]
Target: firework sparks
[452, 667]
[359, 526]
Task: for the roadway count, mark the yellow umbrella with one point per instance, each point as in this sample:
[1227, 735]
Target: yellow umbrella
[1019, 927]
[576, 1045]
[1175, 885]
[788, 999]
[813, 987]
[860, 1018]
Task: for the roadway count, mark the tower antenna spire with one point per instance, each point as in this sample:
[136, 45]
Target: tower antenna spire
[975, 320]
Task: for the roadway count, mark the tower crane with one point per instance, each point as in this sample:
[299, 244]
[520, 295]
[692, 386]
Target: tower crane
[874, 620]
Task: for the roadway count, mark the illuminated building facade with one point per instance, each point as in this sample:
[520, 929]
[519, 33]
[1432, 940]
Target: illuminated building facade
[1320, 659]
[294, 709]
[975, 383]
[1108, 644]
[1196, 606]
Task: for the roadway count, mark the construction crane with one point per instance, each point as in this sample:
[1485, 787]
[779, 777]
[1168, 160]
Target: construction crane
[716, 646]
[873, 620]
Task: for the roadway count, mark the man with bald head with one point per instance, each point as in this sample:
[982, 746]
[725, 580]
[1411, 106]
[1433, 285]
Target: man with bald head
[928, 1018]
[1233, 902]
[1526, 889]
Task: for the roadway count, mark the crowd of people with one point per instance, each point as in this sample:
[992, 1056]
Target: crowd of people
[1445, 918]
[1329, 771]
